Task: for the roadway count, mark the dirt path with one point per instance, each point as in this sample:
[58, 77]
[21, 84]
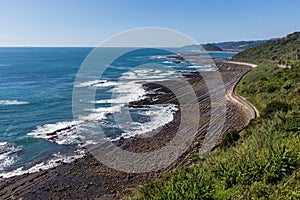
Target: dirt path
[242, 63]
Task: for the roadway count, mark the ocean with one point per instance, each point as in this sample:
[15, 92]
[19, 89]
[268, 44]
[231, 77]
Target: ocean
[37, 126]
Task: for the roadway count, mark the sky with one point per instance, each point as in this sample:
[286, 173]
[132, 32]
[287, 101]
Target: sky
[89, 22]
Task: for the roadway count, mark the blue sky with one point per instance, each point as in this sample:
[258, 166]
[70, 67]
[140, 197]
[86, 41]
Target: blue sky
[88, 22]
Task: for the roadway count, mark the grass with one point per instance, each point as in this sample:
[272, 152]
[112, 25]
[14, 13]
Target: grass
[262, 162]
[286, 48]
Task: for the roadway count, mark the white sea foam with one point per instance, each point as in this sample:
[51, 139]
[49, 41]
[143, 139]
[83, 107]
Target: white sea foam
[12, 102]
[128, 92]
[61, 132]
[124, 91]
[158, 57]
[55, 161]
[97, 83]
[3, 143]
[99, 114]
[70, 132]
[87, 143]
[168, 62]
[159, 115]
[103, 101]
[143, 77]
[8, 154]
[144, 74]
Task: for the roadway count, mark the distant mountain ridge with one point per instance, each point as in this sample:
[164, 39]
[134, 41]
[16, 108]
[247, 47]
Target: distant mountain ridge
[234, 46]
[238, 45]
[202, 47]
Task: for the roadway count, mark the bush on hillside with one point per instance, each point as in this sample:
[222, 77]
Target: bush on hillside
[273, 107]
[229, 138]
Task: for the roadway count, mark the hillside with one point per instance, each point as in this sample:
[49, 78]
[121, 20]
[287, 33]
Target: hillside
[211, 47]
[286, 48]
[234, 46]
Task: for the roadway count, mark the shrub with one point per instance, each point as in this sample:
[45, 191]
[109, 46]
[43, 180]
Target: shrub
[229, 138]
[275, 106]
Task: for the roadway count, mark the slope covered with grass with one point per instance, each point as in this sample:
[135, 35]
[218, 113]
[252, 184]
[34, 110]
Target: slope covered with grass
[264, 163]
[286, 48]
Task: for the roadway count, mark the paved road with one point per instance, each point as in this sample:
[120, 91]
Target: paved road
[233, 96]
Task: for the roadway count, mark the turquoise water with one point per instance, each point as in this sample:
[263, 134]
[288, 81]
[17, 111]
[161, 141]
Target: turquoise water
[36, 121]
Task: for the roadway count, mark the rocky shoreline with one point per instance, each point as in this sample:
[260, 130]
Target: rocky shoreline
[87, 178]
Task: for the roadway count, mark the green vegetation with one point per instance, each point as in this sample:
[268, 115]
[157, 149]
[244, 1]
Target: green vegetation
[229, 139]
[262, 162]
[286, 48]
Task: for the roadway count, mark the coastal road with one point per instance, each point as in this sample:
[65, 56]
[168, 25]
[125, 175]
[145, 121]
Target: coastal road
[233, 96]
